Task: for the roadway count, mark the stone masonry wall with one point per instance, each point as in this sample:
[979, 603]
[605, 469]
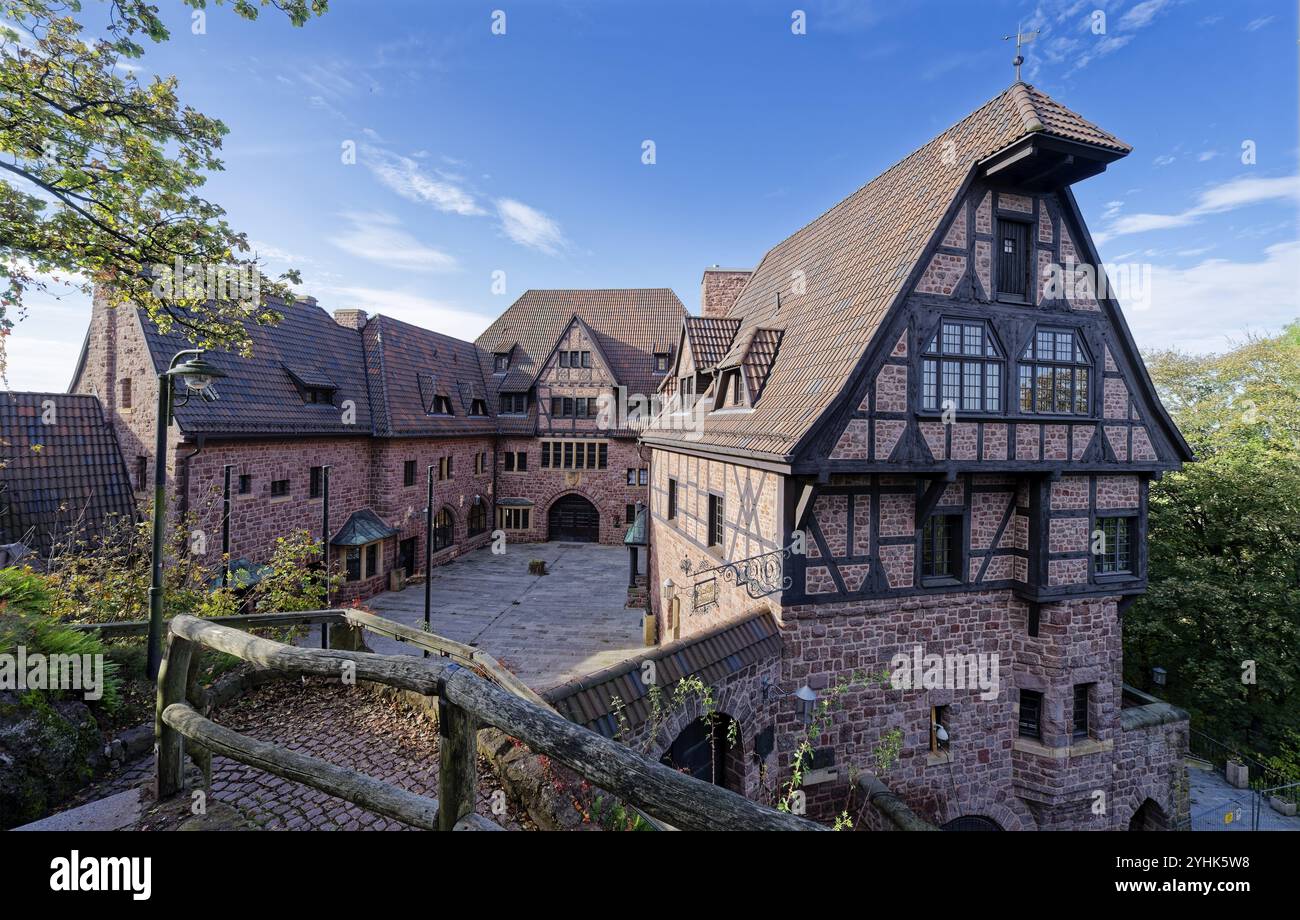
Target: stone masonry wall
[752, 511]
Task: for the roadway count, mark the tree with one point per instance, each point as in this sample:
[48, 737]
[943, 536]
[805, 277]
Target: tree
[101, 175]
[1225, 545]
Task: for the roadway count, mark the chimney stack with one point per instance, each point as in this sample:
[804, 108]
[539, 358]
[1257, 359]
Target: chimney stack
[350, 318]
[720, 288]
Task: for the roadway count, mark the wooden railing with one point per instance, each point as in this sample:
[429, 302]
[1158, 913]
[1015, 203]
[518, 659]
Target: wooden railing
[469, 693]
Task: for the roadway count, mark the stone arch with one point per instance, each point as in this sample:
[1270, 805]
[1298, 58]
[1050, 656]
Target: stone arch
[444, 528]
[1008, 814]
[573, 515]
[1143, 792]
[1149, 816]
[972, 823]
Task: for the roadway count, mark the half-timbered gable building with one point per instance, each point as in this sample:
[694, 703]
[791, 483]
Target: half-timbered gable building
[929, 431]
[565, 365]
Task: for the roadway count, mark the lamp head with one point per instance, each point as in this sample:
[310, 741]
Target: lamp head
[197, 374]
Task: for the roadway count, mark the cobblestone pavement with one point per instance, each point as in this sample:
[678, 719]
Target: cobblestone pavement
[348, 726]
[547, 629]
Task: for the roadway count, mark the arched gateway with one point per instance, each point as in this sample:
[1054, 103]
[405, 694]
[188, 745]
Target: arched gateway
[573, 519]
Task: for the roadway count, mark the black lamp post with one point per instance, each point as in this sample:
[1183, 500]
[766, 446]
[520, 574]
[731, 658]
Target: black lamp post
[197, 376]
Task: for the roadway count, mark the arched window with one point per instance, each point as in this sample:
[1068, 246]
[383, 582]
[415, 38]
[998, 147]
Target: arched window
[477, 518]
[962, 366]
[443, 530]
[1055, 372]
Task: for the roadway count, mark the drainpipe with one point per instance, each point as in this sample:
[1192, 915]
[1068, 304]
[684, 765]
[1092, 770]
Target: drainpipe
[885, 801]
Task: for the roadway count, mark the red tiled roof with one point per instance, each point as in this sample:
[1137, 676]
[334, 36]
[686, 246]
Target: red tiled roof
[64, 475]
[709, 338]
[710, 656]
[408, 366]
[854, 260]
[259, 395]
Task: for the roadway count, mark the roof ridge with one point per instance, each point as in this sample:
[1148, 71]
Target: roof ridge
[1024, 102]
[876, 178]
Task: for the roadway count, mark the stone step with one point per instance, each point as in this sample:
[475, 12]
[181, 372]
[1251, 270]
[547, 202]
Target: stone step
[108, 814]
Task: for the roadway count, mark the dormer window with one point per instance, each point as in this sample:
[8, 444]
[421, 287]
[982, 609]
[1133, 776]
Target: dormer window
[1055, 373]
[514, 404]
[501, 362]
[478, 407]
[731, 390]
[962, 368]
[441, 405]
[661, 362]
[686, 386]
[313, 385]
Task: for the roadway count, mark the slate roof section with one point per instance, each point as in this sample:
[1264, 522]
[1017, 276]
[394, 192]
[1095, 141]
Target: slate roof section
[258, 395]
[408, 365]
[628, 323]
[59, 479]
[856, 259]
[360, 528]
[712, 657]
[710, 338]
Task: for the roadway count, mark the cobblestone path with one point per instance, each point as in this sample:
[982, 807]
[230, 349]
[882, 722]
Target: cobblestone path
[348, 726]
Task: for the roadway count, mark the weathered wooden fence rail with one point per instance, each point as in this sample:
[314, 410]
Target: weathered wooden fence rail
[466, 700]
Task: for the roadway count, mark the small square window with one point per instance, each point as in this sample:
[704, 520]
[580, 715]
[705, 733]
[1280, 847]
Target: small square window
[279, 488]
[1031, 715]
[941, 546]
[245, 484]
[1116, 546]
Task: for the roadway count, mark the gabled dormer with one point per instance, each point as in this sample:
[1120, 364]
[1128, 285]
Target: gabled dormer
[314, 386]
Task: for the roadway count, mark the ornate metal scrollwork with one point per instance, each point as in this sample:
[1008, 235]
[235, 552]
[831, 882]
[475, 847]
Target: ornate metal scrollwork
[759, 575]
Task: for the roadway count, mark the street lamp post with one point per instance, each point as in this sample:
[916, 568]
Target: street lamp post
[197, 375]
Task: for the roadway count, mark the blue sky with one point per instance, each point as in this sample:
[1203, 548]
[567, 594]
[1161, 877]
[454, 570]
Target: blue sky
[522, 153]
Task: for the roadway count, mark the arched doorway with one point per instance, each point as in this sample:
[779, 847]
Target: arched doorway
[573, 519]
[705, 750]
[971, 823]
[1149, 817]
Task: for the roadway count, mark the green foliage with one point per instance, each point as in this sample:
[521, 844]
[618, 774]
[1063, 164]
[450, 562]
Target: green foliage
[107, 579]
[25, 620]
[101, 173]
[293, 579]
[1224, 559]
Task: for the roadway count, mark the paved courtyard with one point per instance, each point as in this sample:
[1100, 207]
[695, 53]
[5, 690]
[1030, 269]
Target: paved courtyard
[547, 629]
[1214, 800]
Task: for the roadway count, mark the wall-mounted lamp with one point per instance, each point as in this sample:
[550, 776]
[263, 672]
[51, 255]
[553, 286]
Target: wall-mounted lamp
[1158, 676]
[805, 699]
[670, 590]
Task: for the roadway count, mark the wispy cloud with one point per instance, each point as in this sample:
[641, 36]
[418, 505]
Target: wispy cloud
[380, 238]
[1236, 193]
[409, 179]
[1257, 24]
[529, 227]
[1186, 304]
[406, 306]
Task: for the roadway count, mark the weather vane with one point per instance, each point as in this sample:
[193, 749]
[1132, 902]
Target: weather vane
[1022, 38]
